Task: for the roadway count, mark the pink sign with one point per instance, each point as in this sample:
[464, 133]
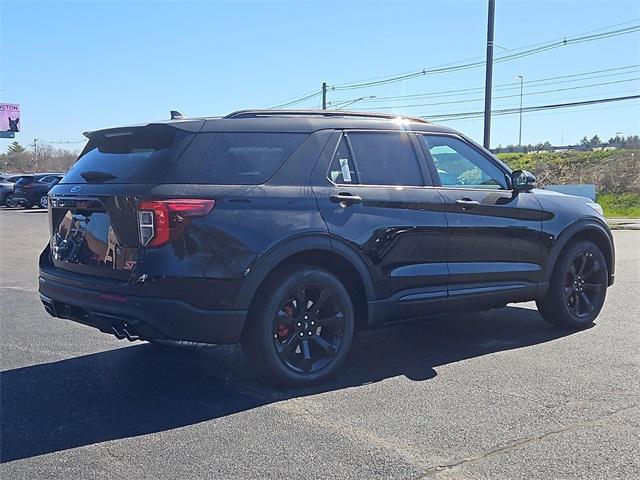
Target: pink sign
[9, 117]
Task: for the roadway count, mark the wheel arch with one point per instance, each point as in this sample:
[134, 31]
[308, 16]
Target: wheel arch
[317, 251]
[591, 230]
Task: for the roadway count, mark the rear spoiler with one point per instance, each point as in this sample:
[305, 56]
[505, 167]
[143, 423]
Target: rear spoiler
[190, 125]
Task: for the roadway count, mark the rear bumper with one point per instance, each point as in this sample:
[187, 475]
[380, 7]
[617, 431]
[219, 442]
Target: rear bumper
[145, 318]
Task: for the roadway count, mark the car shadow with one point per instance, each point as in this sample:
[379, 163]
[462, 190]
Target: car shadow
[142, 388]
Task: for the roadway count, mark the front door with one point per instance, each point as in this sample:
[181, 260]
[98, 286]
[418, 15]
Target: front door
[374, 194]
[495, 235]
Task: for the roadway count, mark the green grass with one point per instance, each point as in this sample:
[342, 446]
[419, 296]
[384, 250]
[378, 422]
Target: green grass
[620, 205]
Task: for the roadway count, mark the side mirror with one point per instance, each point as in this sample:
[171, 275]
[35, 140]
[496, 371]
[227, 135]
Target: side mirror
[522, 180]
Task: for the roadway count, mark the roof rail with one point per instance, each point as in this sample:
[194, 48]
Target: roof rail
[319, 113]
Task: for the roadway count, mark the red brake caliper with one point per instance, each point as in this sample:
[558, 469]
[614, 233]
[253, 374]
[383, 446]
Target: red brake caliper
[283, 329]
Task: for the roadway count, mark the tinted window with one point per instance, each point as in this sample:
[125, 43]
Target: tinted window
[385, 159]
[136, 155]
[48, 179]
[342, 170]
[245, 158]
[24, 181]
[460, 165]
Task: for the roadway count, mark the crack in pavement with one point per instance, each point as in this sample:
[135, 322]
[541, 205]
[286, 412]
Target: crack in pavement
[434, 470]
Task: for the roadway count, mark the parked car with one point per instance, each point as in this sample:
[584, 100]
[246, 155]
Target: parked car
[287, 231]
[7, 181]
[30, 190]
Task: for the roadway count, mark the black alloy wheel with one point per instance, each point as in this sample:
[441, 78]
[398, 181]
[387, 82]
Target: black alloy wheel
[309, 327]
[578, 287]
[301, 327]
[585, 283]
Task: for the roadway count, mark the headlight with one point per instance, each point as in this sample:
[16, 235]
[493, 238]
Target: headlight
[596, 207]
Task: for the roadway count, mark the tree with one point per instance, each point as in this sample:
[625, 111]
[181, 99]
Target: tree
[15, 147]
[594, 142]
[544, 146]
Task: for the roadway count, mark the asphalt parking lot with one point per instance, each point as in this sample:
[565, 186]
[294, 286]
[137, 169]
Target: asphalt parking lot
[499, 394]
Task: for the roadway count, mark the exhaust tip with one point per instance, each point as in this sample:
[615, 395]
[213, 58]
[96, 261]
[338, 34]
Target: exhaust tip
[125, 331]
[118, 334]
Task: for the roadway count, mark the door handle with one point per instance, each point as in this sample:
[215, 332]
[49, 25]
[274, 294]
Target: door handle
[467, 203]
[346, 198]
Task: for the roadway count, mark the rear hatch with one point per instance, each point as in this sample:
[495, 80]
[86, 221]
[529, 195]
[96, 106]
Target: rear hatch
[135, 191]
[94, 208]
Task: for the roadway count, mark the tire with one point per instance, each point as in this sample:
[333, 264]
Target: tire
[300, 328]
[578, 287]
[8, 201]
[43, 201]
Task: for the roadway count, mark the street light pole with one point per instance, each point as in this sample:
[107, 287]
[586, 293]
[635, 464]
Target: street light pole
[489, 75]
[521, 87]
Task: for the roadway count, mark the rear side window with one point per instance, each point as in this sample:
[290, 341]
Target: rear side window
[385, 158]
[245, 158]
[135, 155]
[342, 170]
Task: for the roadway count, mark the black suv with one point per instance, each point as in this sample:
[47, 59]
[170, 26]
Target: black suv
[288, 230]
[32, 190]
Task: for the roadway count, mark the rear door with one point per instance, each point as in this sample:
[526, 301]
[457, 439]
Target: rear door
[495, 235]
[375, 197]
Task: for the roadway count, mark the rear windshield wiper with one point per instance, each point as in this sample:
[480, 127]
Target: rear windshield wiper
[97, 176]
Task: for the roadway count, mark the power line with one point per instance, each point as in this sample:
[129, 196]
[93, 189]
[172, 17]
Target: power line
[296, 100]
[394, 107]
[482, 57]
[504, 58]
[459, 65]
[509, 86]
[536, 108]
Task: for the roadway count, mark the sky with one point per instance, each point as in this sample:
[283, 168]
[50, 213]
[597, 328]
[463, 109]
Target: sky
[78, 66]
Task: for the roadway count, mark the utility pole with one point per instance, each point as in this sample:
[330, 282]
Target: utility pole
[520, 134]
[35, 153]
[324, 95]
[489, 75]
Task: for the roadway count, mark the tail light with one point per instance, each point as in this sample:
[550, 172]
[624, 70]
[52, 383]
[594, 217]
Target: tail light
[159, 221]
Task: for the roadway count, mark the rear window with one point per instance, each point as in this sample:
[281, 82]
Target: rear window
[240, 158]
[135, 155]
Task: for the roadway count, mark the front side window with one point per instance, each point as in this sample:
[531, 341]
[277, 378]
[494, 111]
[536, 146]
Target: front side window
[461, 166]
[385, 158]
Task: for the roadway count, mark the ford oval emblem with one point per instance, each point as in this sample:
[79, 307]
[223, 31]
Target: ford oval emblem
[75, 189]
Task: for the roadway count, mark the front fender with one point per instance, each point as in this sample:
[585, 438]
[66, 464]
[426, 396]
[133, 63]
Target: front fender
[584, 226]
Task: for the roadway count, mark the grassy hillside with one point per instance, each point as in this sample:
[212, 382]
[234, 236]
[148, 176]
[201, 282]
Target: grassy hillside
[620, 205]
[615, 173]
[612, 171]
